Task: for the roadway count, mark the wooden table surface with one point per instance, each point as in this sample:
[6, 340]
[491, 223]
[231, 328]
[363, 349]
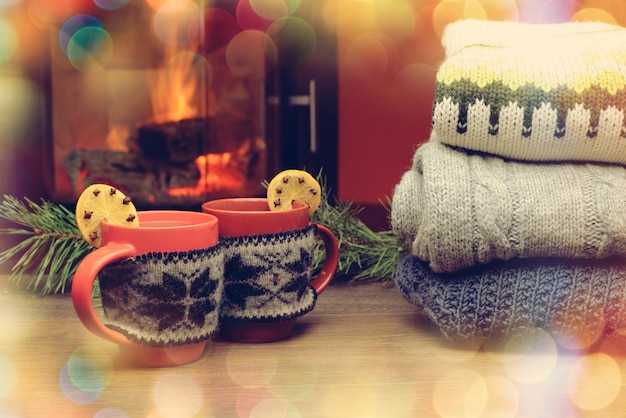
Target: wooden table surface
[362, 352]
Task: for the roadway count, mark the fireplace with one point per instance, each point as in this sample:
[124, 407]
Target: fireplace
[166, 102]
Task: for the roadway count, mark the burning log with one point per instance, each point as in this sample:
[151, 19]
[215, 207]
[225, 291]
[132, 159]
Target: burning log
[175, 162]
[184, 140]
[174, 141]
[146, 179]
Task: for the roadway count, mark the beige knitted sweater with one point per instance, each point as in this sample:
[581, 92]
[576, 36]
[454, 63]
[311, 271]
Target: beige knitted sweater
[460, 208]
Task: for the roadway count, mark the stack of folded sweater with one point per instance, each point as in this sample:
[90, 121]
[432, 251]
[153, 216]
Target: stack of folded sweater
[515, 207]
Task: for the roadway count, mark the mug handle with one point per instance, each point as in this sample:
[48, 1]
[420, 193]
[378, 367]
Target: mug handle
[321, 281]
[82, 287]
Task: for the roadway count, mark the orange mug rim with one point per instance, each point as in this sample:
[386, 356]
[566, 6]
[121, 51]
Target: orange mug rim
[196, 219]
[217, 205]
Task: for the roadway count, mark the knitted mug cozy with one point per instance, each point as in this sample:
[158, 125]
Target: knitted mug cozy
[571, 299]
[266, 277]
[546, 92]
[164, 299]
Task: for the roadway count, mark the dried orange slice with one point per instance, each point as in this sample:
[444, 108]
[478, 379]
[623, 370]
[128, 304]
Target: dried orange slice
[100, 201]
[290, 185]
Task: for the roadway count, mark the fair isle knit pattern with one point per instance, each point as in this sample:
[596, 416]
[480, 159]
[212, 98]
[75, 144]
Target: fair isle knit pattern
[164, 299]
[543, 92]
[266, 277]
[460, 209]
[570, 299]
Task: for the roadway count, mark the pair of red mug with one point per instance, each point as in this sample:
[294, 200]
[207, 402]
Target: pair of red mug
[181, 292]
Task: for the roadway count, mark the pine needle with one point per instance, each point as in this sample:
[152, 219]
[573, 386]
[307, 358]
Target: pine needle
[52, 246]
[363, 253]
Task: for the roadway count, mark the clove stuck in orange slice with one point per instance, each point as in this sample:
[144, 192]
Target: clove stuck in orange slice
[100, 201]
[291, 185]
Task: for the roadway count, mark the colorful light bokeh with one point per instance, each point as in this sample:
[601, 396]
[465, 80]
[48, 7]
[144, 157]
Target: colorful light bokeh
[377, 38]
[393, 48]
[111, 4]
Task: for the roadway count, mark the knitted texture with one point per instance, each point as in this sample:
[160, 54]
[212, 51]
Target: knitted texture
[547, 92]
[571, 299]
[266, 277]
[164, 299]
[460, 209]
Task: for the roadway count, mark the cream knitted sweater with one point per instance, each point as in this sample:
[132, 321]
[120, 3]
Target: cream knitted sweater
[460, 209]
[547, 92]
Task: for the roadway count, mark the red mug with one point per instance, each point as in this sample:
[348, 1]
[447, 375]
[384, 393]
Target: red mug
[160, 286]
[267, 267]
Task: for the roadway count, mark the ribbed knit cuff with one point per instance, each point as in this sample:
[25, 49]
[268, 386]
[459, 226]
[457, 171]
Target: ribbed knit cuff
[266, 277]
[164, 299]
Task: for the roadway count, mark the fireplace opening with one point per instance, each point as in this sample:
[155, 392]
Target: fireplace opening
[166, 103]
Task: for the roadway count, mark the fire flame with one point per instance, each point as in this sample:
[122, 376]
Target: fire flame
[218, 172]
[174, 91]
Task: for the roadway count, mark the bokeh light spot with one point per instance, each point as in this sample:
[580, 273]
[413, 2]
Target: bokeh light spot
[19, 106]
[395, 19]
[273, 407]
[111, 4]
[295, 38]
[353, 18]
[83, 378]
[250, 53]
[414, 91]
[499, 9]
[178, 395]
[473, 9]
[45, 12]
[245, 369]
[288, 385]
[93, 356]
[90, 49]
[8, 41]
[344, 401]
[248, 398]
[593, 14]
[173, 20]
[503, 398]
[595, 382]
[73, 25]
[460, 393]
[8, 3]
[461, 351]
[546, 11]
[111, 413]
[9, 378]
[530, 358]
[156, 4]
[220, 27]
[366, 57]
[446, 12]
[270, 9]
[249, 19]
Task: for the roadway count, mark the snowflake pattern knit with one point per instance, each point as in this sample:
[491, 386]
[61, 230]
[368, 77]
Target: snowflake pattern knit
[164, 299]
[266, 277]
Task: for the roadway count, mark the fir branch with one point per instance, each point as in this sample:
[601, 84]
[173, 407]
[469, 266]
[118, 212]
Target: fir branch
[363, 254]
[52, 247]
